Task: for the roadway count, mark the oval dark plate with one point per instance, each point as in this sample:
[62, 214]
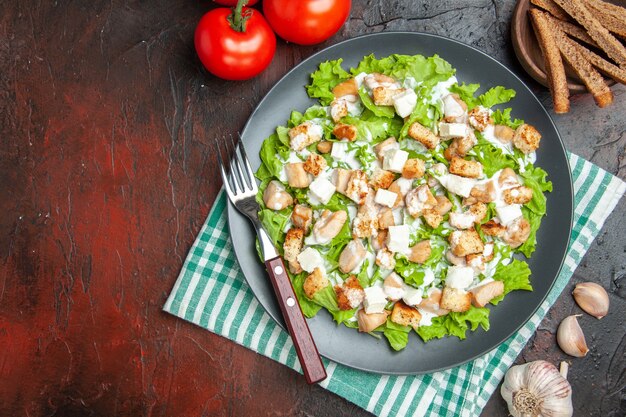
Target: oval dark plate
[362, 351]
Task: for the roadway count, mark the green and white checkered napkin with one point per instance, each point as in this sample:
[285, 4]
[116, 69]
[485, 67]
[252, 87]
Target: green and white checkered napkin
[211, 282]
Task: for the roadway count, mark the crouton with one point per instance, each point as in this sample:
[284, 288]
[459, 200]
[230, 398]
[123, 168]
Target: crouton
[464, 242]
[384, 146]
[517, 233]
[293, 244]
[383, 96]
[350, 294]
[484, 193]
[423, 135]
[351, 256]
[343, 131]
[315, 164]
[479, 211]
[301, 216]
[432, 218]
[369, 322]
[329, 225]
[479, 118]
[358, 187]
[420, 252]
[526, 138]
[304, 135]
[443, 204]
[338, 109]
[466, 168]
[483, 294]
[384, 259]
[456, 300]
[381, 178]
[385, 218]
[404, 315]
[365, 223]
[315, 282]
[419, 199]
[493, 228]
[276, 197]
[518, 195]
[324, 146]
[503, 133]
[297, 177]
[413, 168]
[348, 87]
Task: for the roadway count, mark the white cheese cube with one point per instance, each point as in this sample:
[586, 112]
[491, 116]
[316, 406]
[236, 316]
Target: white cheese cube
[508, 213]
[310, 259]
[458, 185]
[375, 300]
[393, 287]
[461, 220]
[398, 238]
[452, 130]
[405, 102]
[459, 277]
[385, 198]
[394, 160]
[322, 189]
[412, 296]
[339, 150]
[451, 107]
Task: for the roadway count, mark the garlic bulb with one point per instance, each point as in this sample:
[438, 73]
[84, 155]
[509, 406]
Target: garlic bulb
[537, 389]
[570, 337]
[592, 298]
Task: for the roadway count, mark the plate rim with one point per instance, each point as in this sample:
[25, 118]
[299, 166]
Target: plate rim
[278, 319]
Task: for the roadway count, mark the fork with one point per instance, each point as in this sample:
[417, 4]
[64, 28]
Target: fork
[242, 189]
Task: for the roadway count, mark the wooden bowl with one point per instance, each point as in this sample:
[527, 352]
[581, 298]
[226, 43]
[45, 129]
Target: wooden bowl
[528, 51]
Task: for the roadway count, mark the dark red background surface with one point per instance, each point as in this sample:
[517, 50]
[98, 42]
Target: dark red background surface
[106, 176]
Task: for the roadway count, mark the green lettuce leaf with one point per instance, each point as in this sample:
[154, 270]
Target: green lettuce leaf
[516, 276]
[313, 112]
[536, 179]
[496, 95]
[411, 272]
[427, 70]
[466, 93]
[396, 334]
[503, 117]
[271, 166]
[324, 79]
[491, 157]
[421, 115]
[373, 128]
[381, 111]
[274, 223]
[455, 324]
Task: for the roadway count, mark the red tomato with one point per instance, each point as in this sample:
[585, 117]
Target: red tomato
[306, 22]
[234, 2]
[231, 54]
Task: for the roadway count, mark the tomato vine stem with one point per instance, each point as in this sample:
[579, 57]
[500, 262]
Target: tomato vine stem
[239, 17]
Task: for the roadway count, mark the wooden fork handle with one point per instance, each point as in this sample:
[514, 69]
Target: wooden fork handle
[310, 360]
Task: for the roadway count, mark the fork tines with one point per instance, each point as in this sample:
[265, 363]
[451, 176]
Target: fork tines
[237, 174]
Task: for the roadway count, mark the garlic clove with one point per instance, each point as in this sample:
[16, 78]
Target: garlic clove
[571, 338]
[592, 298]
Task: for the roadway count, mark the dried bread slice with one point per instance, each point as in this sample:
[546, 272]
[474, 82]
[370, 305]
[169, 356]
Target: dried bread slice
[618, 11]
[573, 30]
[602, 64]
[614, 22]
[553, 62]
[551, 7]
[599, 33]
[586, 72]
